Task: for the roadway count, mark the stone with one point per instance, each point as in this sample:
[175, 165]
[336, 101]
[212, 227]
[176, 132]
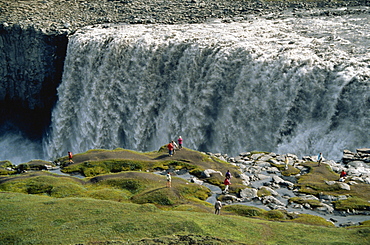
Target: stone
[248, 193]
[363, 150]
[273, 192]
[344, 186]
[207, 173]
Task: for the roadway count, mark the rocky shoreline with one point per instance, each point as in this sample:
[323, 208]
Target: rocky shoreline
[263, 173]
[66, 16]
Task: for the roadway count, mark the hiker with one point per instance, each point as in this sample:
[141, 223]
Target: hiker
[179, 140]
[218, 206]
[319, 159]
[286, 162]
[170, 149]
[226, 183]
[174, 146]
[342, 176]
[228, 174]
[168, 177]
[70, 155]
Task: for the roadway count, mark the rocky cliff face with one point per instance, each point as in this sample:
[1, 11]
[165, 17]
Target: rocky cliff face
[31, 65]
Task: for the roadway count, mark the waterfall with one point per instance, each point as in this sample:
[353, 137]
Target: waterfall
[290, 85]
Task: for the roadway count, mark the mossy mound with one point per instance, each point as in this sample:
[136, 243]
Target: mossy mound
[101, 162]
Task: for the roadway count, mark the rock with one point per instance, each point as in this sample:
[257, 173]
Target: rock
[271, 191]
[262, 164]
[330, 182]
[248, 193]
[270, 199]
[207, 173]
[196, 181]
[358, 179]
[273, 170]
[363, 150]
[356, 164]
[263, 177]
[344, 186]
[326, 208]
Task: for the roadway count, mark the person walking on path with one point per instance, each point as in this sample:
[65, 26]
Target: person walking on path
[227, 183]
[168, 177]
[218, 206]
[179, 140]
[319, 159]
[70, 156]
[170, 149]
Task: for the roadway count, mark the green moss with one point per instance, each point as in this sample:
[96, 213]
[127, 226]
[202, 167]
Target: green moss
[68, 190]
[194, 191]
[312, 220]
[311, 202]
[129, 184]
[6, 164]
[352, 203]
[365, 223]
[158, 196]
[244, 210]
[263, 192]
[110, 194]
[275, 215]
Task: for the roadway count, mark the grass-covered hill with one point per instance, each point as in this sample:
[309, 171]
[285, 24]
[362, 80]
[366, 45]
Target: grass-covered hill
[124, 200]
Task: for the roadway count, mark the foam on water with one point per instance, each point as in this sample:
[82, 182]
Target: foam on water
[291, 85]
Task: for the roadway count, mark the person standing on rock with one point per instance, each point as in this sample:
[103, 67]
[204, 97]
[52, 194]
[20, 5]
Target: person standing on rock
[319, 159]
[179, 141]
[218, 206]
[170, 149]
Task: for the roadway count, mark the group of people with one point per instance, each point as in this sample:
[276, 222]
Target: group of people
[172, 146]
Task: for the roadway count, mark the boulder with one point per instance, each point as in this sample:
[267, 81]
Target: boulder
[207, 173]
[270, 199]
[273, 192]
[344, 186]
[326, 208]
[248, 193]
[363, 150]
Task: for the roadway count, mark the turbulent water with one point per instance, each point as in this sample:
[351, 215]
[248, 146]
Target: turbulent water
[297, 85]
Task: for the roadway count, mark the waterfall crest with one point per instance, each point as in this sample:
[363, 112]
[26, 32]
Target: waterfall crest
[282, 85]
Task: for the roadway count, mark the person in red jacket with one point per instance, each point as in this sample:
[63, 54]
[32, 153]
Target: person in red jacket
[170, 149]
[342, 176]
[227, 183]
[70, 155]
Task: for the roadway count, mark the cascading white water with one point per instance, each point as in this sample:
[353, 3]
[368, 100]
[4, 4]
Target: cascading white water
[289, 85]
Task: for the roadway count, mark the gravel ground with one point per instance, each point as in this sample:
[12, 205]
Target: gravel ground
[71, 14]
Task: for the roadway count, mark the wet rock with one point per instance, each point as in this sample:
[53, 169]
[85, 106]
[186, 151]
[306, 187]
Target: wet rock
[326, 208]
[271, 200]
[248, 193]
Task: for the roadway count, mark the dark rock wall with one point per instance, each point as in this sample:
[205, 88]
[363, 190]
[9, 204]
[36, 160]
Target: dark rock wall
[31, 65]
